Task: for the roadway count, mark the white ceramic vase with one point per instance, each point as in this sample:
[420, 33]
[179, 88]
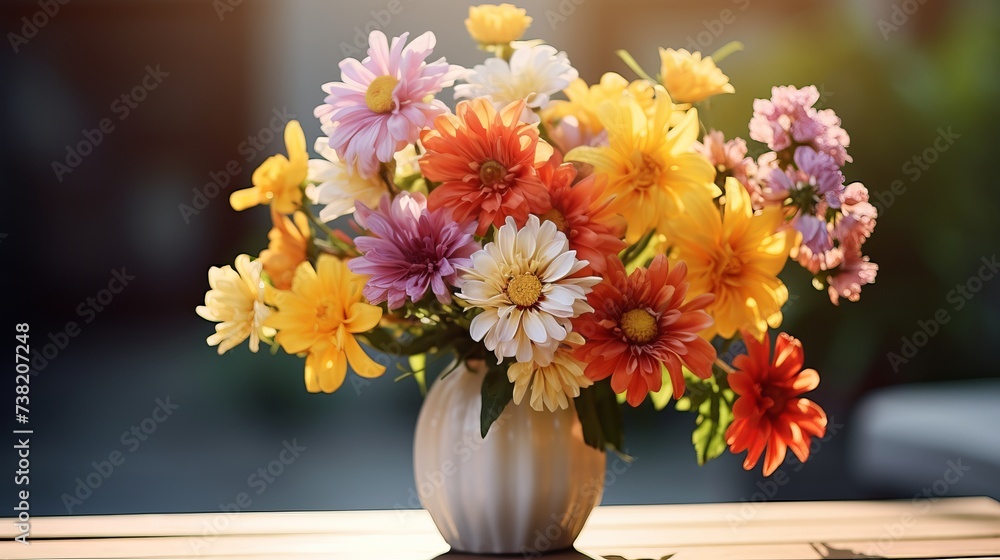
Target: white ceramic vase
[527, 488]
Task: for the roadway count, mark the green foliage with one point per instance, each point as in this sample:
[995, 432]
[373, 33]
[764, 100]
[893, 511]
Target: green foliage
[497, 391]
[601, 416]
[662, 397]
[712, 400]
[631, 63]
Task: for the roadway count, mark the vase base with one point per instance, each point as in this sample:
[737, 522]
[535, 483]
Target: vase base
[566, 553]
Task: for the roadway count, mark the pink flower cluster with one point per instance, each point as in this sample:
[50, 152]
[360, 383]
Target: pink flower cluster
[730, 160]
[803, 175]
[789, 119]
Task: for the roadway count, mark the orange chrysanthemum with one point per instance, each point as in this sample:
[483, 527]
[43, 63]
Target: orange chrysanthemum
[581, 212]
[487, 162]
[642, 325]
[768, 413]
[287, 248]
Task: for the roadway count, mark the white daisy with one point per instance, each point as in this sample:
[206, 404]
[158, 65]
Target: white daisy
[535, 73]
[236, 302]
[333, 185]
[552, 385]
[523, 282]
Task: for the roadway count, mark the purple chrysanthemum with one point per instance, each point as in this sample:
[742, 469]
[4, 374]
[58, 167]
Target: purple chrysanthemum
[412, 249]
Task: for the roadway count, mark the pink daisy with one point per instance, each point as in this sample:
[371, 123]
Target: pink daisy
[383, 101]
[412, 250]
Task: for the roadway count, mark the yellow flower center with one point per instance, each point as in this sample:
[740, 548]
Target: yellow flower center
[524, 290]
[491, 173]
[557, 218]
[639, 325]
[733, 268]
[728, 267]
[379, 94]
[321, 311]
[649, 172]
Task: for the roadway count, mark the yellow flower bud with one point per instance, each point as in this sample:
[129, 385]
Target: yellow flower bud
[490, 24]
[689, 78]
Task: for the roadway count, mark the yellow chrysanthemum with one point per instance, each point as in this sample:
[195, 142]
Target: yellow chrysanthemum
[320, 315]
[236, 302]
[736, 256]
[287, 248]
[490, 24]
[583, 102]
[554, 385]
[689, 78]
[278, 180]
[649, 164]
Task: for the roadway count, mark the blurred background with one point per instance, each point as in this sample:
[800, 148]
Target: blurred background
[117, 113]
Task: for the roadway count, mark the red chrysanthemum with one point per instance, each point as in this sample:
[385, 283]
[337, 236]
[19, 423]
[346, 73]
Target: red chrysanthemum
[581, 212]
[487, 162]
[768, 412]
[641, 325]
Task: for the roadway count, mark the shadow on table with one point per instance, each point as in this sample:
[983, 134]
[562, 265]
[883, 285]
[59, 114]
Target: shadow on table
[827, 551]
[571, 554]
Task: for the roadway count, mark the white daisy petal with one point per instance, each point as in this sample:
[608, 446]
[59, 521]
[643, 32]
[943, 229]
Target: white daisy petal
[534, 73]
[482, 323]
[534, 327]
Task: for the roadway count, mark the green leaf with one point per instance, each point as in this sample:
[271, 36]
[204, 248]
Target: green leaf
[713, 401]
[662, 397]
[631, 63]
[726, 50]
[418, 365]
[601, 417]
[497, 391]
[629, 255]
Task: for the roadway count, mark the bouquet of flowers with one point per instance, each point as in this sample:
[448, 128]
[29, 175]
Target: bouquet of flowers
[593, 244]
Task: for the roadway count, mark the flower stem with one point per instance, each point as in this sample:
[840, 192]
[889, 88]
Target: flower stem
[387, 171]
[724, 366]
[319, 225]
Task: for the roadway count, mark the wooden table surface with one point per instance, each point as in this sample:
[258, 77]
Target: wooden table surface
[933, 528]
